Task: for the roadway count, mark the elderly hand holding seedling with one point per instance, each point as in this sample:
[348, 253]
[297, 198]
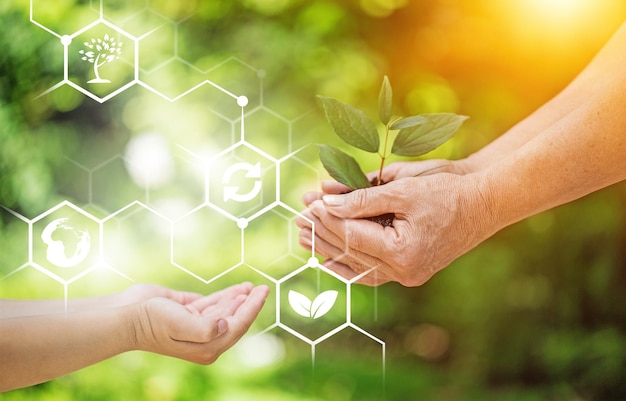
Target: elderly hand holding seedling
[571, 146]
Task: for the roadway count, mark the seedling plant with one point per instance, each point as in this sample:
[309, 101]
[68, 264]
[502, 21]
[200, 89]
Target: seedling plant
[414, 136]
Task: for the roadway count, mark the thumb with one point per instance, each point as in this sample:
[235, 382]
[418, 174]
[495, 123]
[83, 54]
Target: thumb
[362, 203]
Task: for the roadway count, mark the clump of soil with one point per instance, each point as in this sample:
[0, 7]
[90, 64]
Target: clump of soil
[385, 220]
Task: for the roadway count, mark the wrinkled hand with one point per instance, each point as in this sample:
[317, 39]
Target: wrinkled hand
[392, 172]
[439, 217]
[197, 329]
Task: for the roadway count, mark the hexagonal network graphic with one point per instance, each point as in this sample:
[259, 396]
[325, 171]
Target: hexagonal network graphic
[264, 252]
[242, 180]
[203, 237]
[212, 211]
[313, 303]
[101, 59]
[136, 243]
[65, 242]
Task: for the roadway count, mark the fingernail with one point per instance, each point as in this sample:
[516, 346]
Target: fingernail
[222, 326]
[334, 200]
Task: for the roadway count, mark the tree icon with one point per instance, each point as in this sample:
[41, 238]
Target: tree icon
[99, 52]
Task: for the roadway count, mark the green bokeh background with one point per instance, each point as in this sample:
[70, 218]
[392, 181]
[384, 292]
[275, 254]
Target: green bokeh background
[537, 312]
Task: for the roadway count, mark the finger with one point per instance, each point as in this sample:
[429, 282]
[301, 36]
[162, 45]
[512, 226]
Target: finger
[398, 170]
[334, 187]
[306, 234]
[213, 321]
[225, 307]
[341, 232]
[367, 202]
[372, 278]
[183, 297]
[309, 197]
[180, 323]
[329, 246]
[305, 220]
[305, 238]
[362, 240]
[225, 295]
[240, 322]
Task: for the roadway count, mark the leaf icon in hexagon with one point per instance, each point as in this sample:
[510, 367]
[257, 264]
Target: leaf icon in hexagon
[320, 306]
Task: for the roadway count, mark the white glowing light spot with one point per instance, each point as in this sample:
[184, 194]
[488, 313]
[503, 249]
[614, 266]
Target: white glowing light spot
[260, 350]
[149, 161]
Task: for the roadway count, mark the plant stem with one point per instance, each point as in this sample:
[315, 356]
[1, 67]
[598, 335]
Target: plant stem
[383, 156]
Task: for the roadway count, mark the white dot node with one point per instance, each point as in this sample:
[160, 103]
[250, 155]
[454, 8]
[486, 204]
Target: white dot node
[66, 40]
[242, 223]
[313, 262]
[261, 73]
[242, 101]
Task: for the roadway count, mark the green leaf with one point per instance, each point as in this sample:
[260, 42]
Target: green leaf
[342, 167]
[351, 124]
[408, 122]
[421, 139]
[385, 101]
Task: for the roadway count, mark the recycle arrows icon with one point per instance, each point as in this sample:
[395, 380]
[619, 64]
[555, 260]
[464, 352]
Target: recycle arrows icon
[252, 171]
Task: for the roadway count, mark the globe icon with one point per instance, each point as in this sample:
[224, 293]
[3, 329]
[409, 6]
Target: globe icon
[67, 245]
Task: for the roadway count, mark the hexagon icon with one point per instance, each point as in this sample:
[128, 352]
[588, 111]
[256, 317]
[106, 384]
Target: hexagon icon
[312, 303]
[206, 244]
[101, 60]
[65, 242]
[242, 180]
[271, 243]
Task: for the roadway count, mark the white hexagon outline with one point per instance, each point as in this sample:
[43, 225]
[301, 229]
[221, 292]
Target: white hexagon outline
[312, 261]
[115, 214]
[66, 40]
[47, 272]
[191, 273]
[291, 226]
[236, 145]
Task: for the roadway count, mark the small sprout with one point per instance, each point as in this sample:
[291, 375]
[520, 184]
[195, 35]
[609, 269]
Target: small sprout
[416, 135]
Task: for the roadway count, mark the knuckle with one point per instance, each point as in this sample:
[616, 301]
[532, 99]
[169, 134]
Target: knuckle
[358, 199]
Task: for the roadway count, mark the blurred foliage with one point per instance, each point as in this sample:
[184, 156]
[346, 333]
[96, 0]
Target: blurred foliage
[537, 312]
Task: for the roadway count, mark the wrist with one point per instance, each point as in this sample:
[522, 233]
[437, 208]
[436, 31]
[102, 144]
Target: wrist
[132, 316]
[468, 165]
[484, 201]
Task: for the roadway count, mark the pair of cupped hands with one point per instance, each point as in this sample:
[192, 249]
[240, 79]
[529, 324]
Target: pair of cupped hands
[440, 214]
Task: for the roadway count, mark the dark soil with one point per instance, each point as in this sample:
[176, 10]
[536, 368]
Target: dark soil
[385, 220]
